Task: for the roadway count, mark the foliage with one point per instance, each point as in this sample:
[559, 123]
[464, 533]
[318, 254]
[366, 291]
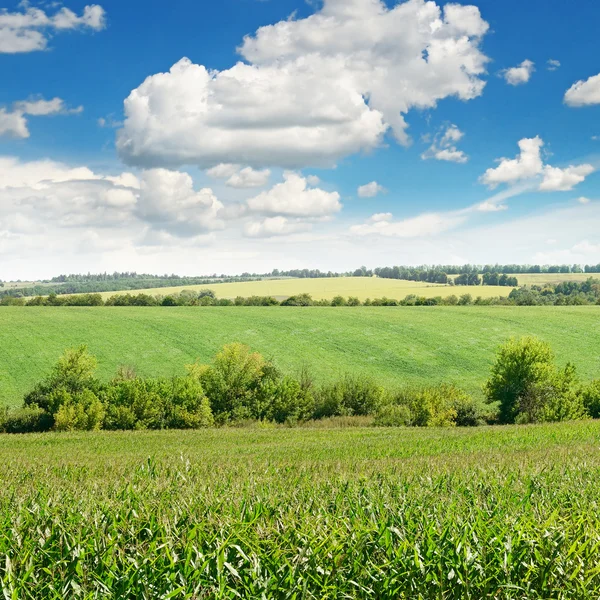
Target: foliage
[591, 398]
[29, 419]
[393, 415]
[528, 386]
[351, 395]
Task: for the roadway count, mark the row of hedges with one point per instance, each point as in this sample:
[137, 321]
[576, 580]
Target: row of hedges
[566, 293]
[240, 386]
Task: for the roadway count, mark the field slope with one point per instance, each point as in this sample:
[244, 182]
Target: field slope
[499, 513]
[394, 345]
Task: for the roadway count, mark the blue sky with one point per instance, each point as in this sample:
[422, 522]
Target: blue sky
[353, 132]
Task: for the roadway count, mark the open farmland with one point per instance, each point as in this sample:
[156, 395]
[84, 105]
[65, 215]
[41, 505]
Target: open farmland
[327, 288]
[395, 345]
[498, 513]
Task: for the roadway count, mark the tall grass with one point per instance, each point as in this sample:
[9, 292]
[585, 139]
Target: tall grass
[306, 513]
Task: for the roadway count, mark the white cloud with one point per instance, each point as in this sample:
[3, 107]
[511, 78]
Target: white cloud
[275, 226]
[444, 146]
[14, 123]
[519, 74]
[169, 203]
[583, 200]
[552, 64]
[584, 93]
[564, 180]
[249, 178]
[29, 30]
[527, 165]
[293, 197]
[312, 90]
[370, 190]
[424, 225]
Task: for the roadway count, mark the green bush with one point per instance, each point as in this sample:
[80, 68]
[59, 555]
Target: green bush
[162, 403]
[351, 395]
[233, 382]
[393, 415]
[528, 386]
[430, 406]
[590, 395]
[30, 419]
[82, 412]
[72, 374]
[287, 401]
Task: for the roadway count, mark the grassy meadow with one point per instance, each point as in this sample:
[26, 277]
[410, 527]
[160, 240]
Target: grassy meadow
[503, 513]
[394, 345]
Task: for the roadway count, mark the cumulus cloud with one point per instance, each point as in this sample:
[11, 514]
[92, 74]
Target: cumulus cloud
[520, 74]
[169, 203]
[584, 93]
[55, 200]
[564, 180]
[293, 197]
[237, 177]
[14, 123]
[370, 190]
[30, 29]
[553, 65]
[311, 90]
[444, 146]
[529, 165]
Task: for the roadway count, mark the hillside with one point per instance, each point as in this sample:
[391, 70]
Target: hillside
[395, 345]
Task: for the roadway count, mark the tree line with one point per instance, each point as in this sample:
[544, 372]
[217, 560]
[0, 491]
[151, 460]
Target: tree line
[240, 386]
[571, 293]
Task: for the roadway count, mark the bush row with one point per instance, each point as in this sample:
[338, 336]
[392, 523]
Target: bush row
[566, 293]
[241, 386]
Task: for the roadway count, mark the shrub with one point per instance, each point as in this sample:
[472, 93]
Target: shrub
[431, 406]
[590, 395]
[162, 403]
[351, 395]
[299, 300]
[233, 382]
[287, 401]
[393, 415]
[529, 388]
[82, 412]
[30, 419]
[72, 374]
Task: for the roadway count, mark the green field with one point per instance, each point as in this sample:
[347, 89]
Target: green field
[498, 513]
[395, 345]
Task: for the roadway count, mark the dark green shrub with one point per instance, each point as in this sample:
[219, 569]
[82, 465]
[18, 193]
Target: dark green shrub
[286, 400]
[31, 419]
[590, 395]
[351, 395]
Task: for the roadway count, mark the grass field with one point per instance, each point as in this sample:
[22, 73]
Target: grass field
[393, 344]
[501, 513]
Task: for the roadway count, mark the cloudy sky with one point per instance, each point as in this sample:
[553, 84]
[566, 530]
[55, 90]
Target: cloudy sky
[245, 135]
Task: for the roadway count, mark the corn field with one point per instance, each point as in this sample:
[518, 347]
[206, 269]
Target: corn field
[501, 513]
